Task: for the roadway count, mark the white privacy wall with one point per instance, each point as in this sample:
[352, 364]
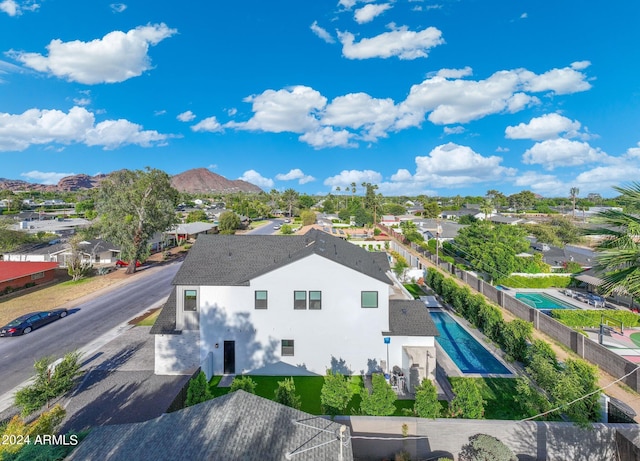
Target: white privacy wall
[341, 329]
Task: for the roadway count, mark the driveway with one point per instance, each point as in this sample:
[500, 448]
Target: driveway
[119, 385]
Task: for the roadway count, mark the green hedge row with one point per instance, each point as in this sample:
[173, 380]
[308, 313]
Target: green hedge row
[551, 281]
[592, 318]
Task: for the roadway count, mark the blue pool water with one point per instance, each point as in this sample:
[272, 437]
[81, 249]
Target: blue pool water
[466, 352]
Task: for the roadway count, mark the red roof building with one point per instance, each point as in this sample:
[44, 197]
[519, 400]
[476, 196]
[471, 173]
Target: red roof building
[15, 275]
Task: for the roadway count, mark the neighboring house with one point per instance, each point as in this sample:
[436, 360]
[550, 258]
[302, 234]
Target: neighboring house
[235, 427]
[96, 251]
[292, 305]
[502, 219]
[190, 231]
[18, 274]
[444, 230]
[457, 214]
[389, 220]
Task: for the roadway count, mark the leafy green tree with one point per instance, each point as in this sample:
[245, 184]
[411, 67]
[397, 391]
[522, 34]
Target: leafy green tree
[468, 402]
[77, 266]
[400, 265]
[381, 400]
[244, 383]
[48, 384]
[522, 201]
[577, 380]
[335, 394]
[618, 258]
[286, 229]
[394, 209]
[516, 336]
[198, 390]
[228, 222]
[531, 401]
[308, 218]
[134, 205]
[197, 216]
[306, 201]
[285, 394]
[482, 447]
[426, 401]
[492, 248]
[431, 209]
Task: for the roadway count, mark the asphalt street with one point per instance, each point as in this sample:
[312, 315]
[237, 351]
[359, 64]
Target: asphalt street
[86, 322]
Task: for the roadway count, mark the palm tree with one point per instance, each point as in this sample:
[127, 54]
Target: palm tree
[573, 193]
[618, 259]
[487, 208]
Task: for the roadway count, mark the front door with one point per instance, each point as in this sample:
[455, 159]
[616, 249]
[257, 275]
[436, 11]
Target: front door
[229, 357]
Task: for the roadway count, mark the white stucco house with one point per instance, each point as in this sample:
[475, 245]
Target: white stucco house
[290, 305]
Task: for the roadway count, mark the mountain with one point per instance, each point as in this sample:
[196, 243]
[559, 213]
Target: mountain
[193, 181]
[199, 180]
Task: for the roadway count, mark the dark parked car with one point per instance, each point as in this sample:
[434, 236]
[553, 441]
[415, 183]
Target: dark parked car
[29, 322]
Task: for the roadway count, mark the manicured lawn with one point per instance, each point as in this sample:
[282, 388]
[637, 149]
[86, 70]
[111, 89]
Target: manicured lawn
[498, 394]
[415, 290]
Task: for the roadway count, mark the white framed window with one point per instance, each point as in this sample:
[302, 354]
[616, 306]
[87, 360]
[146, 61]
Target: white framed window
[287, 348]
[369, 299]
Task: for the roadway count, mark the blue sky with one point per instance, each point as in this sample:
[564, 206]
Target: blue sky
[436, 97]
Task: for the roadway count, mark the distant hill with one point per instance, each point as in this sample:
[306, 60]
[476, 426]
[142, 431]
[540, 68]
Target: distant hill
[201, 180]
[193, 181]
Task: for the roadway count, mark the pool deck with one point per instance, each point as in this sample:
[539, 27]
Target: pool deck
[556, 293]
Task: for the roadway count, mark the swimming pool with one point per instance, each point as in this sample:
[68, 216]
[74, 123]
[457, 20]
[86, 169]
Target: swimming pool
[466, 352]
[543, 301]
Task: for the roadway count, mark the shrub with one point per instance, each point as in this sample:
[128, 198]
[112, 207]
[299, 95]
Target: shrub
[592, 318]
[48, 385]
[198, 390]
[468, 402]
[286, 394]
[381, 400]
[17, 428]
[550, 281]
[244, 383]
[335, 393]
[482, 447]
[426, 404]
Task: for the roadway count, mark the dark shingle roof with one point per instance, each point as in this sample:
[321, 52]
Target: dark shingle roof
[236, 259]
[410, 318]
[165, 324]
[237, 426]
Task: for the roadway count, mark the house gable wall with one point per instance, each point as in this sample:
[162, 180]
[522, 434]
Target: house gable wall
[341, 330]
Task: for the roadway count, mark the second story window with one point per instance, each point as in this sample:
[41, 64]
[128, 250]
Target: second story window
[315, 300]
[190, 300]
[299, 299]
[261, 299]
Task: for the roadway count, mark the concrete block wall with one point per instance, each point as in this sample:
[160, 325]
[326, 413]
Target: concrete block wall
[177, 354]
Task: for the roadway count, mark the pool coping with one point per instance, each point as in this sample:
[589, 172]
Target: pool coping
[449, 366]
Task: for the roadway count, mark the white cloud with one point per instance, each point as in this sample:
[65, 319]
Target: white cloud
[346, 177]
[547, 126]
[369, 12]
[322, 33]
[328, 137]
[454, 100]
[560, 81]
[117, 57]
[444, 97]
[159, 112]
[400, 42]
[209, 124]
[295, 174]
[554, 153]
[284, 110]
[118, 7]
[452, 165]
[502, 149]
[42, 177]
[35, 127]
[454, 130]
[81, 101]
[10, 7]
[453, 73]
[186, 116]
[256, 178]
[360, 111]
[112, 134]
[524, 16]
[231, 112]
